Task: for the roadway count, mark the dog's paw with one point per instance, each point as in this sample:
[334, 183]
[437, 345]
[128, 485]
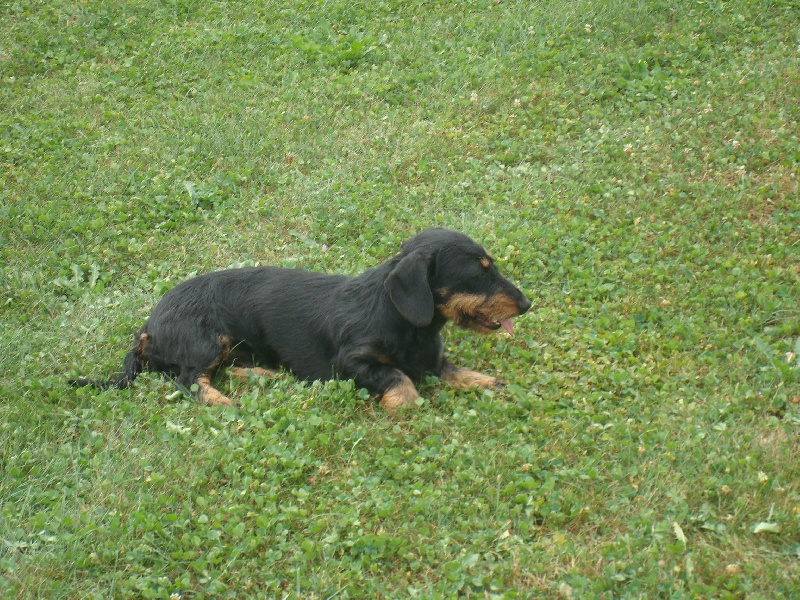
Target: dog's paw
[213, 397]
[402, 394]
[465, 379]
[243, 375]
[209, 395]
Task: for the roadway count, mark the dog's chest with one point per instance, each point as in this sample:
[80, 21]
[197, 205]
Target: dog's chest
[420, 355]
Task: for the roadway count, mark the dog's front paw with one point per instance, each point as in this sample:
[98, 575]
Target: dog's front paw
[465, 379]
[399, 395]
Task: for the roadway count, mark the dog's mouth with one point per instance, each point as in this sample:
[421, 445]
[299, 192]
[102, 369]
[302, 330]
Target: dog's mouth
[479, 313]
[485, 323]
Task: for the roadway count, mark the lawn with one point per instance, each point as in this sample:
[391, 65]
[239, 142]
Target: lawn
[632, 166]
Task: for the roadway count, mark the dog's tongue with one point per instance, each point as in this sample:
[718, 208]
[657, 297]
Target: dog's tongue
[507, 325]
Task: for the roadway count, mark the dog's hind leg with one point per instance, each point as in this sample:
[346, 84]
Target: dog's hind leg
[210, 395]
[243, 374]
[203, 367]
[206, 392]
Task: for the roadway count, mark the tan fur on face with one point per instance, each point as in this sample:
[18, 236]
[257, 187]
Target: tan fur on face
[459, 304]
[399, 395]
[499, 307]
[209, 394]
[493, 308]
[464, 379]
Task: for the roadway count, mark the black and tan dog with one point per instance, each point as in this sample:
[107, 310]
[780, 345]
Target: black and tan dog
[380, 328]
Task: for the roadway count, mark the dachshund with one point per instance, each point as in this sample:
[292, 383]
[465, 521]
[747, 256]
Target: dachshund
[381, 328]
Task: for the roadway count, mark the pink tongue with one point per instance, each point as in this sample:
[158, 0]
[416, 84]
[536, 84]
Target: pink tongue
[507, 325]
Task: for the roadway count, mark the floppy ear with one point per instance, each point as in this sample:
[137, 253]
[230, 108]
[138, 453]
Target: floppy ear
[409, 291]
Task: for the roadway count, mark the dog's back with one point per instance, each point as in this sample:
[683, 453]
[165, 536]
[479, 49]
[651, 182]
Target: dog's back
[279, 316]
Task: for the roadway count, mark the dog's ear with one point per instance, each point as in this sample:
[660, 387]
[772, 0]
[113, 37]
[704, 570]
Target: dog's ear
[409, 290]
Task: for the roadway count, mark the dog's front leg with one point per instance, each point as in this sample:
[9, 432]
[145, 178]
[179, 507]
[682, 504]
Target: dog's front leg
[391, 385]
[400, 393]
[464, 379]
[376, 373]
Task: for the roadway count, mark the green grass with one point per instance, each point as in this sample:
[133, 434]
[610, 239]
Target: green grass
[633, 166]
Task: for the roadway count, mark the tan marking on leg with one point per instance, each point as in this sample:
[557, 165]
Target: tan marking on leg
[209, 394]
[243, 374]
[142, 344]
[465, 379]
[140, 347]
[227, 345]
[402, 393]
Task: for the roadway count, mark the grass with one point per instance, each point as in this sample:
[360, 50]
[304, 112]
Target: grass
[633, 166]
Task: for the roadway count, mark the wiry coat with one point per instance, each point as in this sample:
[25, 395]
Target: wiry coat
[381, 329]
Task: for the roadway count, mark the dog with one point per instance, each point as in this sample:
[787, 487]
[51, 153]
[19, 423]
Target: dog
[381, 329]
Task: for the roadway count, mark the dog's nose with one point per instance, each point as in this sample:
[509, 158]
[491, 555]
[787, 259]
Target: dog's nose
[524, 305]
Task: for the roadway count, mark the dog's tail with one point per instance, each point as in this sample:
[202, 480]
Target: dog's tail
[130, 369]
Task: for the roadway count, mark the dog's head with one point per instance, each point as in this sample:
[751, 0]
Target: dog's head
[445, 272]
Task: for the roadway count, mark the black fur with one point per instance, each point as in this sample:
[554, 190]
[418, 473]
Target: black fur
[380, 328]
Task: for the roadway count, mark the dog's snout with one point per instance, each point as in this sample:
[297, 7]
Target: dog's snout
[521, 300]
[524, 304]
